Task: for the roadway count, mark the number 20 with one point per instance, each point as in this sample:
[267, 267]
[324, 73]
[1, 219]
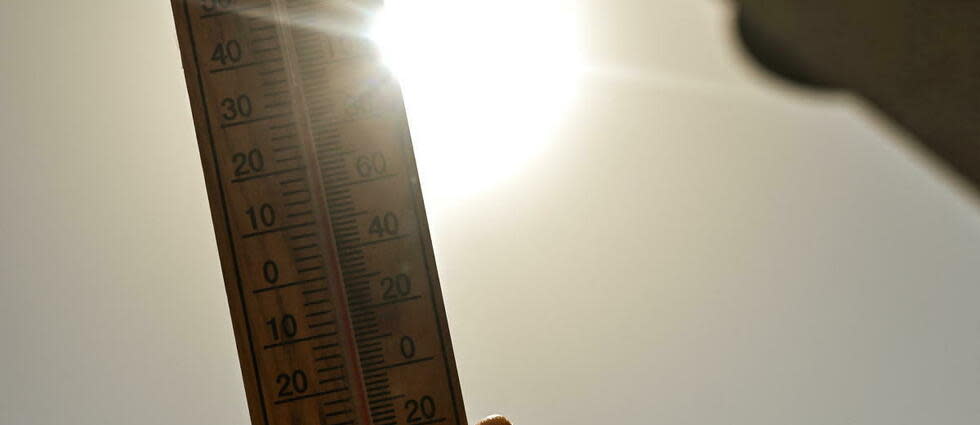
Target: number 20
[424, 408]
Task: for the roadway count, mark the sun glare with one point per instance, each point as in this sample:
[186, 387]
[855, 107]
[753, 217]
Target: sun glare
[485, 83]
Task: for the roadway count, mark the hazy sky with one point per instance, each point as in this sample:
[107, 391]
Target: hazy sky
[668, 237]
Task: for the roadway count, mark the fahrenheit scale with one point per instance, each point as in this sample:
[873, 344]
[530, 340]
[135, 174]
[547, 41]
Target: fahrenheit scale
[315, 200]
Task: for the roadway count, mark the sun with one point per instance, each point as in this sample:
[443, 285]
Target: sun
[485, 83]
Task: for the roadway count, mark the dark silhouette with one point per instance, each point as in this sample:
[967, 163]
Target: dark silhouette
[918, 61]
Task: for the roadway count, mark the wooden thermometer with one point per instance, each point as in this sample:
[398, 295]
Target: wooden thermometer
[318, 215]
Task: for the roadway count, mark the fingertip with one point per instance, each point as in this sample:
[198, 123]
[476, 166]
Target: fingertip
[494, 420]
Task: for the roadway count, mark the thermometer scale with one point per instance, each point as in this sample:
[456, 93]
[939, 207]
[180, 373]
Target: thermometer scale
[315, 200]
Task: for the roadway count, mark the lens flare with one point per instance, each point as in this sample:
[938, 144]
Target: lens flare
[485, 83]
